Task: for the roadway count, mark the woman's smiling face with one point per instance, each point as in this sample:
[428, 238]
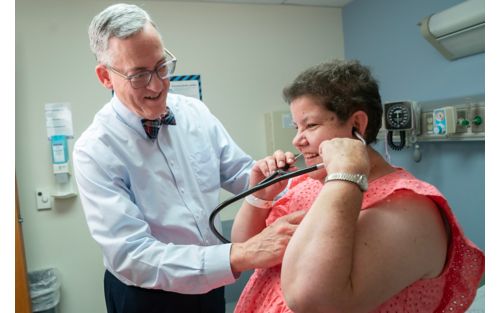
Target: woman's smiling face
[315, 124]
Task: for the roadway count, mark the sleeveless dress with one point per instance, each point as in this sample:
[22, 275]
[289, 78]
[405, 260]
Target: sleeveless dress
[452, 291]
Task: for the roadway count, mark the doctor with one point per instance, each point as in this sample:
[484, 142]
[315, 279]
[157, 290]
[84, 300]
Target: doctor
[149, 169]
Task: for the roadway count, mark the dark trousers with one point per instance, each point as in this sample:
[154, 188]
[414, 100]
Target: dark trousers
[121, 298]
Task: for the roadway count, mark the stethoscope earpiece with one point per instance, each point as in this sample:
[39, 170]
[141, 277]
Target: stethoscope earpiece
[358, 135]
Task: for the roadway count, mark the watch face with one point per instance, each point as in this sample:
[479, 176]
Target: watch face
[398, 116]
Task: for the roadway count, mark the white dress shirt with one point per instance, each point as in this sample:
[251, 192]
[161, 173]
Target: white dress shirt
[147, 202]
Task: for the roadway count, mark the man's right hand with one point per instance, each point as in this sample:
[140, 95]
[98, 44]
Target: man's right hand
[267, 248]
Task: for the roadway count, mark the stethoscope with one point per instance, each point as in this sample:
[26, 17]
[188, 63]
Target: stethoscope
[277, 176]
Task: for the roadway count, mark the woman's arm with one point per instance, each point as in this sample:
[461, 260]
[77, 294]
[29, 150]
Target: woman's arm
[251, 220]
[344, 260]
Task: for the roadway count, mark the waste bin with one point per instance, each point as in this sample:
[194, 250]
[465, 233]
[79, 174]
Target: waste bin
[44, 290]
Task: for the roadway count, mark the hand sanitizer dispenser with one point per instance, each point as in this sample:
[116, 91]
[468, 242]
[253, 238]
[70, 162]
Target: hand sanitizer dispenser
[60, 165]
[60, 159]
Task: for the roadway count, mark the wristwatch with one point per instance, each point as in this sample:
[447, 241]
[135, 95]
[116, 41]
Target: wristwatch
[358, 179]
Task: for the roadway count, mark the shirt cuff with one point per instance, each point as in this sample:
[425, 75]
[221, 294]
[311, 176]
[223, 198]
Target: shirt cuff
[218, 265]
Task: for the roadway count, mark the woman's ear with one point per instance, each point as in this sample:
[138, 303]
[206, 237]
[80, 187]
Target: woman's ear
[359, 121]
[103, 76]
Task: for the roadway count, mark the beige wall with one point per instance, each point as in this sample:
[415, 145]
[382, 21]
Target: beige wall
[244, 53]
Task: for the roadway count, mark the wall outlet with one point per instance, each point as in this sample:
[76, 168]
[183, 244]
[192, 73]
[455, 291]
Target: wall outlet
[427, 123]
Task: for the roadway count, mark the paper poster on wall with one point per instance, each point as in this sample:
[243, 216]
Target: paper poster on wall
[187, 85]
[58, 120]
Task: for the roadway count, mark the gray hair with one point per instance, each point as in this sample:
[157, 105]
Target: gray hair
[119, 20]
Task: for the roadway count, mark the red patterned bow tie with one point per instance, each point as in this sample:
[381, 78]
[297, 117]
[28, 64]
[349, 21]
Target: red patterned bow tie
[152, 127]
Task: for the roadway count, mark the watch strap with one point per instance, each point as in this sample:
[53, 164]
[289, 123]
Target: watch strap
[358, 179]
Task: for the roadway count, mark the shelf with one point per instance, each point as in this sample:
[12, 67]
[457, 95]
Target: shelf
[455, 137]
[437, 138]
[64, 195]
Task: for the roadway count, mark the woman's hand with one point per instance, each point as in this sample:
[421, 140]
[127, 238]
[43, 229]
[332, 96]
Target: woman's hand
[345, 155]
[266, 167]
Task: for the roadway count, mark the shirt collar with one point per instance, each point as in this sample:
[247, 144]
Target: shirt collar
[126, 116]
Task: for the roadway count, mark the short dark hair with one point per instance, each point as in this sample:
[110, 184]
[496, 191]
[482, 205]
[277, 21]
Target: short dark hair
[343, 87]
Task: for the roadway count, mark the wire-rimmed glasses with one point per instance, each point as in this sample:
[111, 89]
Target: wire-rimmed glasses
[142, 79]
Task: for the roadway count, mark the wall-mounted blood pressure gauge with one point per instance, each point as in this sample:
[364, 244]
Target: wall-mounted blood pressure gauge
[398, 116]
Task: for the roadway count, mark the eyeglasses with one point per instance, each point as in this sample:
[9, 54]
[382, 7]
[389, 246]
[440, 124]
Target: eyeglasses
[142, 79]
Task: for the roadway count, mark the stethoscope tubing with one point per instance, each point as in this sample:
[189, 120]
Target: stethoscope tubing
[263, 184]
[272, 179]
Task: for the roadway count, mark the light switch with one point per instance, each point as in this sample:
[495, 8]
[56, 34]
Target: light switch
[43, 199]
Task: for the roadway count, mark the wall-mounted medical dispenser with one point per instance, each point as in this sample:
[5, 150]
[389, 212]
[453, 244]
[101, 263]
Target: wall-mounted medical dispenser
[59, 124]
[60, 166]
[59, 145]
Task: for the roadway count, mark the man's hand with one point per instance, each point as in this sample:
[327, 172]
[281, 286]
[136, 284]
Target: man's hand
[267, 248]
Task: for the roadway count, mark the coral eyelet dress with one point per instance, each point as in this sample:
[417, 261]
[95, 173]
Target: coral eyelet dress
[452, 291]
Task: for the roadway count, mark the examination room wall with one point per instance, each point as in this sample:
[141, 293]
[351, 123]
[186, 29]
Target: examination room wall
[384, 34]
[245, 54]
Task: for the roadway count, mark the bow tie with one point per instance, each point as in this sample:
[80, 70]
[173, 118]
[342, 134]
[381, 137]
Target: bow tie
[152, 127]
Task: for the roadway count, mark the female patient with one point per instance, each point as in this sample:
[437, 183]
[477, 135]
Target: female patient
[391, 246]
